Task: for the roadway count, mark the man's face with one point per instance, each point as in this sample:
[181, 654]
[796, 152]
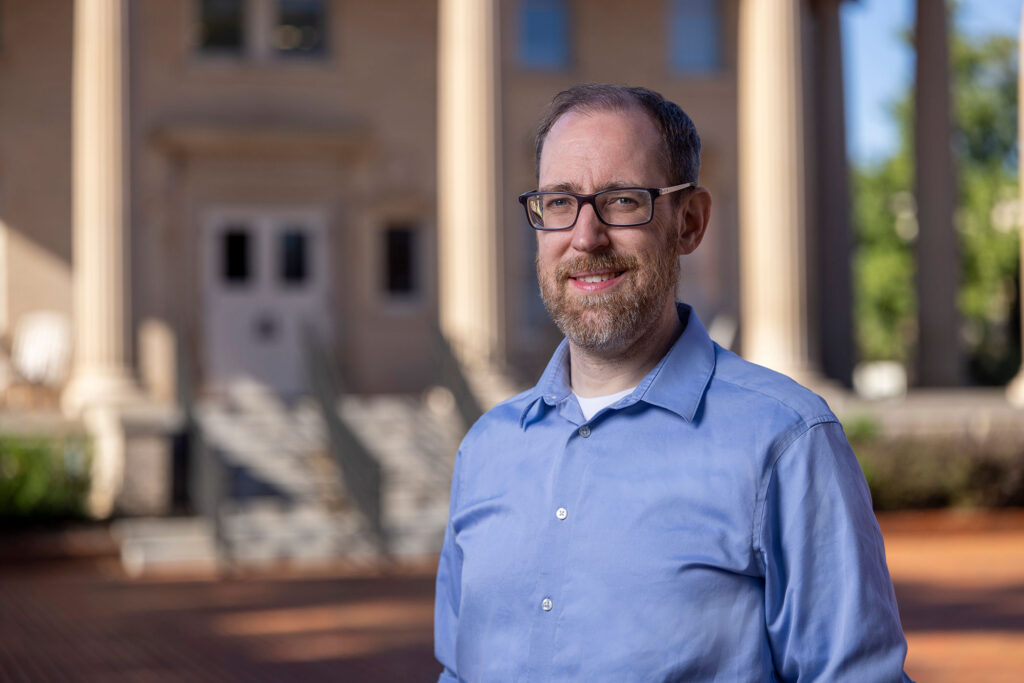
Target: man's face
[605, 287]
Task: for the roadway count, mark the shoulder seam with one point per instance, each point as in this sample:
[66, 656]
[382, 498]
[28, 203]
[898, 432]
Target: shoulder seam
[819, 417]
[761, 502]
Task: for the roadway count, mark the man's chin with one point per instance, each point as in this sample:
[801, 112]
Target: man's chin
[594, 329]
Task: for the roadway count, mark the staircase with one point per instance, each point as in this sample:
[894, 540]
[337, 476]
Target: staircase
[273, 491]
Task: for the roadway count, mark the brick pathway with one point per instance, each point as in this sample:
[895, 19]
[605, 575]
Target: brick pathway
[88, 623]
[959, 579]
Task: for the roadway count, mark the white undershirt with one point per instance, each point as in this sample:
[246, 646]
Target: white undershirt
[592, 406]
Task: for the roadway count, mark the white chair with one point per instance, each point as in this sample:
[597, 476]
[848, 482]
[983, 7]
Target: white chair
[41, 348]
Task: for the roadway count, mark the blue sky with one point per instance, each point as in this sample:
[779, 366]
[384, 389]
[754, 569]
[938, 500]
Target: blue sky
[879, 66]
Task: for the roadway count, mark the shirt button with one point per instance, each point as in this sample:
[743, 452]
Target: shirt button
[561, 513]
[546, 604]
[585, 431]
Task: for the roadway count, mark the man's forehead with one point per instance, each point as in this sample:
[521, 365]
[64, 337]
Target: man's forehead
[618, 139]
[629, 119]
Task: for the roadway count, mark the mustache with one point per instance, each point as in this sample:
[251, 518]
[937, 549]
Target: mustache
[595, 262]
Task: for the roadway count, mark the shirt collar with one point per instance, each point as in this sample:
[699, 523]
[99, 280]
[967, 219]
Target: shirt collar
[677, 383]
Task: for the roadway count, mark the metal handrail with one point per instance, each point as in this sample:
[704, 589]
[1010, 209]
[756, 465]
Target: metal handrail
[454, 379]
[208, 476]
[362, 475]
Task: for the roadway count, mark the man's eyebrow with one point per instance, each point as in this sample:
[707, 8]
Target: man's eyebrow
[576, 189]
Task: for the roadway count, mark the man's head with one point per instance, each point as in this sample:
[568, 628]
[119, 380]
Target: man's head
[680, 144]
[605, 286]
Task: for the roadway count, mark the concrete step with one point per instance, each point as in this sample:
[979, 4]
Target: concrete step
[286, 448]
[165, 544]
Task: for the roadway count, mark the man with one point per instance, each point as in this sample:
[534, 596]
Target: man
[655, 508]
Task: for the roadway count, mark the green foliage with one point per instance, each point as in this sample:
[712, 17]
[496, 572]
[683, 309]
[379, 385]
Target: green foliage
[862, 428]
[985, 102]
[883, 262]
[43, 478]
[984, 95]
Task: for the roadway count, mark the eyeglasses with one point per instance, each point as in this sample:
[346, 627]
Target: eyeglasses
[621, 207]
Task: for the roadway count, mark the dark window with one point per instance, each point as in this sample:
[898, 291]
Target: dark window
[695, 37]
[294, 257]
[222, 26]
[543, 34]
[400, 260]
[301, 28]
[237, 256]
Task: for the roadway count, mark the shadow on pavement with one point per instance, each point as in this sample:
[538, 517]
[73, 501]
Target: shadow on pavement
[927, 607]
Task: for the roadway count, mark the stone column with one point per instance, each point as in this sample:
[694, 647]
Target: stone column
[1015, 390]
[773, 265]
[834, 249]
[470, 271]
[101, 382]
[100, 375]
[939, 361]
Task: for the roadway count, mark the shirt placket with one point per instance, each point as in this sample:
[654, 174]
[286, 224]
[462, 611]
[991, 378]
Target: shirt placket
[555, 536]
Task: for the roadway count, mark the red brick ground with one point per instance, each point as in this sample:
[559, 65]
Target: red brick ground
[959, 579]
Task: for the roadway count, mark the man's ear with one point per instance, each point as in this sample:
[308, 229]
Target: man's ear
[694, 212]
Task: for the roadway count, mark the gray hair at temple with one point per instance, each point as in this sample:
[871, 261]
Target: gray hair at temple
[681, 143]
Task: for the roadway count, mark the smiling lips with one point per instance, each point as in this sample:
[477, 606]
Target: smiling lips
[592, 282]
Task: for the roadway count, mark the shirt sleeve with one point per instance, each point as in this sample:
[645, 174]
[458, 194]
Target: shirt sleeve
[448, 591]
[830, 610]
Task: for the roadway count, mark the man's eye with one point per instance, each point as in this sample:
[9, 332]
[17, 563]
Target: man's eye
[556, 203]
[621, 202]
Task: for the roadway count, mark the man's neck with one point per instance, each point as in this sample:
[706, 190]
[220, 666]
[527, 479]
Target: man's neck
[599, 373]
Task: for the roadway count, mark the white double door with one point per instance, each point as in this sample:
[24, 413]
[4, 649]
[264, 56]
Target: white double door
[266, 281]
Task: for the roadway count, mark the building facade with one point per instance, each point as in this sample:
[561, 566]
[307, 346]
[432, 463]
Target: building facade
[269, 183]
[202, 185]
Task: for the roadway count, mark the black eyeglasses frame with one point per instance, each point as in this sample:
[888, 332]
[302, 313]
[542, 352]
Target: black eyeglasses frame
[582, 199]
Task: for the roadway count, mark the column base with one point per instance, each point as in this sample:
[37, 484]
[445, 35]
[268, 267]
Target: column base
[99, 387]
[106, 471]
[1015, 389]
[131, 458]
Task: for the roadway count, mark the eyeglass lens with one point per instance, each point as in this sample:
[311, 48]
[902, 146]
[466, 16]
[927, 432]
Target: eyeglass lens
[553, 211]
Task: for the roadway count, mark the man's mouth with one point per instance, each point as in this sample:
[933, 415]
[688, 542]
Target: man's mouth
[598, 277]
[594, 274]
[595, 281]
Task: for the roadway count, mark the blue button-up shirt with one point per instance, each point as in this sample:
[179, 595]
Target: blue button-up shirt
[713, 525]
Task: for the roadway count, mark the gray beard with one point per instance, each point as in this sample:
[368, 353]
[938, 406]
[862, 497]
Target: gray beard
[606, 322]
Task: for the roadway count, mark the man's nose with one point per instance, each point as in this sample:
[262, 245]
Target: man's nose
[589, 233]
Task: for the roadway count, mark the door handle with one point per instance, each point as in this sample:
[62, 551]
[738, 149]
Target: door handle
[265, 327]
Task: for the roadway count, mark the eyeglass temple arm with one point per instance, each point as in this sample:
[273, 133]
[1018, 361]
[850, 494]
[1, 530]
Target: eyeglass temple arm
[674, 188]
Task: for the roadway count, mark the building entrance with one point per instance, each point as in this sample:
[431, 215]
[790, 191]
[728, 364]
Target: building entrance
[266, 280]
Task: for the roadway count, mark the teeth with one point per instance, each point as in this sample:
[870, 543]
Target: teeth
[596, 278]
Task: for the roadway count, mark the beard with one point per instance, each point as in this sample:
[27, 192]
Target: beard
[612, 320]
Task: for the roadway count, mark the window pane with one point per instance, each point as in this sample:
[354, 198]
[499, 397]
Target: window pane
[221, 25]
[696, 36]
[543, 34]
[400, 260]
[301, 28]
[294, 257]
[236, 256]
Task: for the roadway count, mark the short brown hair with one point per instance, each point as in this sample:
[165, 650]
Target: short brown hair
[681, 144]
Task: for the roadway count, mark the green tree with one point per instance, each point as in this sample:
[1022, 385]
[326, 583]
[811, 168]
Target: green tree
[985, 105]
[984, 91]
